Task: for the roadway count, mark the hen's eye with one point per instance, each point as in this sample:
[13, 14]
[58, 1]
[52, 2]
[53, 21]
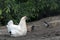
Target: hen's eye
[10, 32]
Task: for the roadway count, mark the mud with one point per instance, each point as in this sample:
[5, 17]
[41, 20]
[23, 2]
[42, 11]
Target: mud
[40, 32]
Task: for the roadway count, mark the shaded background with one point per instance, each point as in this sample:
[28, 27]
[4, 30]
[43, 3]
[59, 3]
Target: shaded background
[33, 9]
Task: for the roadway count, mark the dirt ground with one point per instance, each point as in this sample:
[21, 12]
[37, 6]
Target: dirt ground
[40, 32]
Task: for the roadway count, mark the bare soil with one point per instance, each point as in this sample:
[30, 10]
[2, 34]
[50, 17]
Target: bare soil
[40, 32]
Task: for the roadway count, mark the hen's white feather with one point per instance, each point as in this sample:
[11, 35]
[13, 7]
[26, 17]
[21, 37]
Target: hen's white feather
[17, 30]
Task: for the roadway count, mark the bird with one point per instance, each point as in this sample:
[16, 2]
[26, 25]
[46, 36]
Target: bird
[19, 29]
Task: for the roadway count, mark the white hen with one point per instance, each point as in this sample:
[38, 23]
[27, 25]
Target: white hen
[17, 30]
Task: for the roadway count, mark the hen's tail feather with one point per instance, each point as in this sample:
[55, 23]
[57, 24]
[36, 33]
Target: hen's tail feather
[32, 28]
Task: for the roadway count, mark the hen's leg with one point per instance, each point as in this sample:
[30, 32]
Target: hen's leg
[30, 28]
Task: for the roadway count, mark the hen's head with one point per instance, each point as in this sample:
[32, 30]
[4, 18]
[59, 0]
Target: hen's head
[10, 22]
